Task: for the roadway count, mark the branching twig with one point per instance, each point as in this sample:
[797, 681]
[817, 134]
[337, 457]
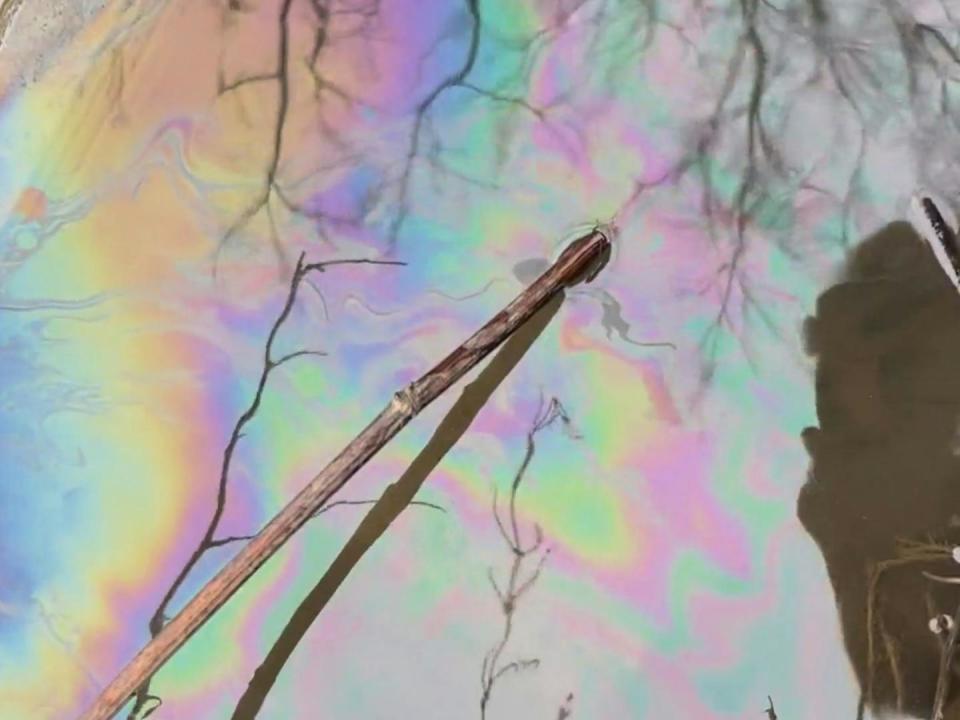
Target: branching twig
[208, 540]
[327, 508]
[517, 583]
[581, 261]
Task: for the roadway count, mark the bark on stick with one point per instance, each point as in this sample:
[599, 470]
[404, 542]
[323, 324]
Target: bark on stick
[579, 262]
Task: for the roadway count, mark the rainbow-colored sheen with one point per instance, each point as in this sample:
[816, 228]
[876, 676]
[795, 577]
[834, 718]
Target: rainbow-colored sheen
[680, 584]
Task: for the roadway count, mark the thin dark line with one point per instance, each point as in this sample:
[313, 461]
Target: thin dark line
[944, 233]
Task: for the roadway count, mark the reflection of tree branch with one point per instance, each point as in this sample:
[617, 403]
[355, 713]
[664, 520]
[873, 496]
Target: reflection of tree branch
[322, 14]
[421, 119]
[518, 582]
[751, 83]
[209, 540]
[281, 75]
[499, 97]
[756, 139]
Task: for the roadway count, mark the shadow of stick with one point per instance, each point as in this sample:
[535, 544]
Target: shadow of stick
[394, 501]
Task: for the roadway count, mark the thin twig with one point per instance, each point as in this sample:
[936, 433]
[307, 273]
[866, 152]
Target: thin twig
[580, 262]
[208, 540]
[327, 508]
[491, 670]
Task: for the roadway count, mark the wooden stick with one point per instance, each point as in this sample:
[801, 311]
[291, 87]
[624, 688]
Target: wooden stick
[579, 262]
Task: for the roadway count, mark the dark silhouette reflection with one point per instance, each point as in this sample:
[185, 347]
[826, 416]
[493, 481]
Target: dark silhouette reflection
[882, 500]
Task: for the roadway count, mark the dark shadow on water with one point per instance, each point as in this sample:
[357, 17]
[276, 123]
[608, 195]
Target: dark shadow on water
[882, 500]
[394, 500]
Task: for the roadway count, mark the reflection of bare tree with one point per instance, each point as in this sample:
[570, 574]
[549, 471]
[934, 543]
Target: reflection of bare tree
[425, 142]
[281, 76]
[421, 120]
[210, 538]
[323, 13]
[763, 64]
[869, 66]
[520, 579]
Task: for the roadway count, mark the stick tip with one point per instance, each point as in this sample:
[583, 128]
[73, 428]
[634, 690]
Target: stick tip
[588, 254]
[610, 230]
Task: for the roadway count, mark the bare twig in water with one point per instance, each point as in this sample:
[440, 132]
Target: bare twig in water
[579, 262]
[517, 583]
[209, 540]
